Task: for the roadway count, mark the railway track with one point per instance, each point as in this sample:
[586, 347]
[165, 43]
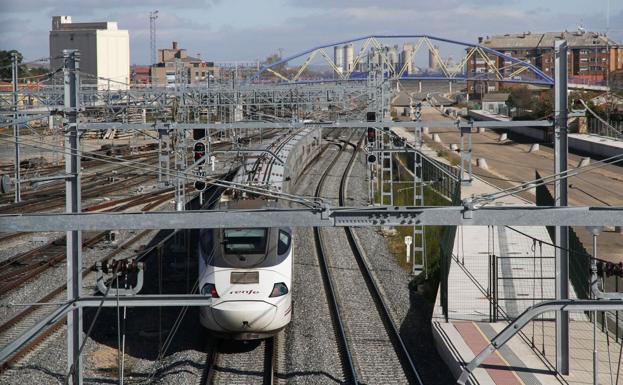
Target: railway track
[371, 346]
[53, 196]
[247, 363]
[30, 315]
[20, 269]
[54, 193]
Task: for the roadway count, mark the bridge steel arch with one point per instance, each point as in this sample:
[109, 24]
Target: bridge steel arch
[513, 70]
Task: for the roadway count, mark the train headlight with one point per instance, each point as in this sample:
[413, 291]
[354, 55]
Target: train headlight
[278, 290]
[209, 289]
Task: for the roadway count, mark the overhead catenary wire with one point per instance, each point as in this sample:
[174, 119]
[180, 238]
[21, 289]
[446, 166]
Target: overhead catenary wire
[141, 166]
[183, 175]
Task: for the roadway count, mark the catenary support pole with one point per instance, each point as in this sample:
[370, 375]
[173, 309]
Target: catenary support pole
[14, 73]
[595, 351]
[72, 203]
[561, 232]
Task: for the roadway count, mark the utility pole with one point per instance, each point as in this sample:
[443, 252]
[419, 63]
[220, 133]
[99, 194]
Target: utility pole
[14, 69]
[152, 35]
[72, 203]
[561, 232]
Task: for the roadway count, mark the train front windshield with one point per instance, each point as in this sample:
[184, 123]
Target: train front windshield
[244, 241]
[245, 248]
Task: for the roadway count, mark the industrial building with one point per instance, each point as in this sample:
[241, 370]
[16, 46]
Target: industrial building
[592, 56]
[174, 66]
[104, 50]
[395, 57]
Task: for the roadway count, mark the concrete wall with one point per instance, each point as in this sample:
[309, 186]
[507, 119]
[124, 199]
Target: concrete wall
[113, 54]
[601, 149]
[538, 133]
[85, 41]
[585, 144]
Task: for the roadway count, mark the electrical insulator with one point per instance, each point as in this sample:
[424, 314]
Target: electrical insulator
[398, 141]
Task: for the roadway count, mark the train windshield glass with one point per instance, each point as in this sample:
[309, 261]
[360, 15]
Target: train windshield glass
[244, 241]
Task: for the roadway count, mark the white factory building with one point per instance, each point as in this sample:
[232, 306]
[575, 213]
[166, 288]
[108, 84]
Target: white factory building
[104, 50]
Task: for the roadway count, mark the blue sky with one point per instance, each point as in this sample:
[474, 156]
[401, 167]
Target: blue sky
[251, 29]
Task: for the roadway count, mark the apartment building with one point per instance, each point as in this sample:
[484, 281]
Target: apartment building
[592, 56]
[176, 67]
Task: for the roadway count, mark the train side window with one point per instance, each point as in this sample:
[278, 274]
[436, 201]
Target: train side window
[284, 242]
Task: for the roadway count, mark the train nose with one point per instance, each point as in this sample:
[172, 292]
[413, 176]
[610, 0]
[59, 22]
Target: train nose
[244, 316]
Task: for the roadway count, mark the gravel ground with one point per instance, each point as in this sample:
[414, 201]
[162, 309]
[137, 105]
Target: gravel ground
[240, 363]
[410, 311]
[312, 356]
[185, 357]
[145, 360]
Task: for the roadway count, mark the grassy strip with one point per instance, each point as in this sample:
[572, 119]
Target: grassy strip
[403, 195]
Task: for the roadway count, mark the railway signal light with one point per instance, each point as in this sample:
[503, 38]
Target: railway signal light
[371, 135]
[199, 133]
[371, 116]
[200, 185]
[199, 148]
[371, 158]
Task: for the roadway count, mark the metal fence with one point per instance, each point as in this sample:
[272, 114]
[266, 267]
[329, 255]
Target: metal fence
[441, 177]
[447, 247]
[597, 127]
[580, 271]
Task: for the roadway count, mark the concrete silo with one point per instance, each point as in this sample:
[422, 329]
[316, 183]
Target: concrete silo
[348, 57]
[338, 58]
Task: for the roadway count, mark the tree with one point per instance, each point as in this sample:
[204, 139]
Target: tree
[23, 71]
[5, 64]
[520, 98]
[273, 58]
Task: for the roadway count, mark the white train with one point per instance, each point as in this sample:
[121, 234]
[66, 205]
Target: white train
[248, 275]
[248, 272]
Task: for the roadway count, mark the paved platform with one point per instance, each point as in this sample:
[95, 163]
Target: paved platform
[525, 269]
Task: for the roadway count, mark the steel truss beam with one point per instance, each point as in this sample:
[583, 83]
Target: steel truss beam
[339, 124]
[50, 98]
[321, 217]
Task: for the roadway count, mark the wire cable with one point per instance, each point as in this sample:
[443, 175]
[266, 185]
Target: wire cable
[183, 175]
[600, 119]
[547, 179]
